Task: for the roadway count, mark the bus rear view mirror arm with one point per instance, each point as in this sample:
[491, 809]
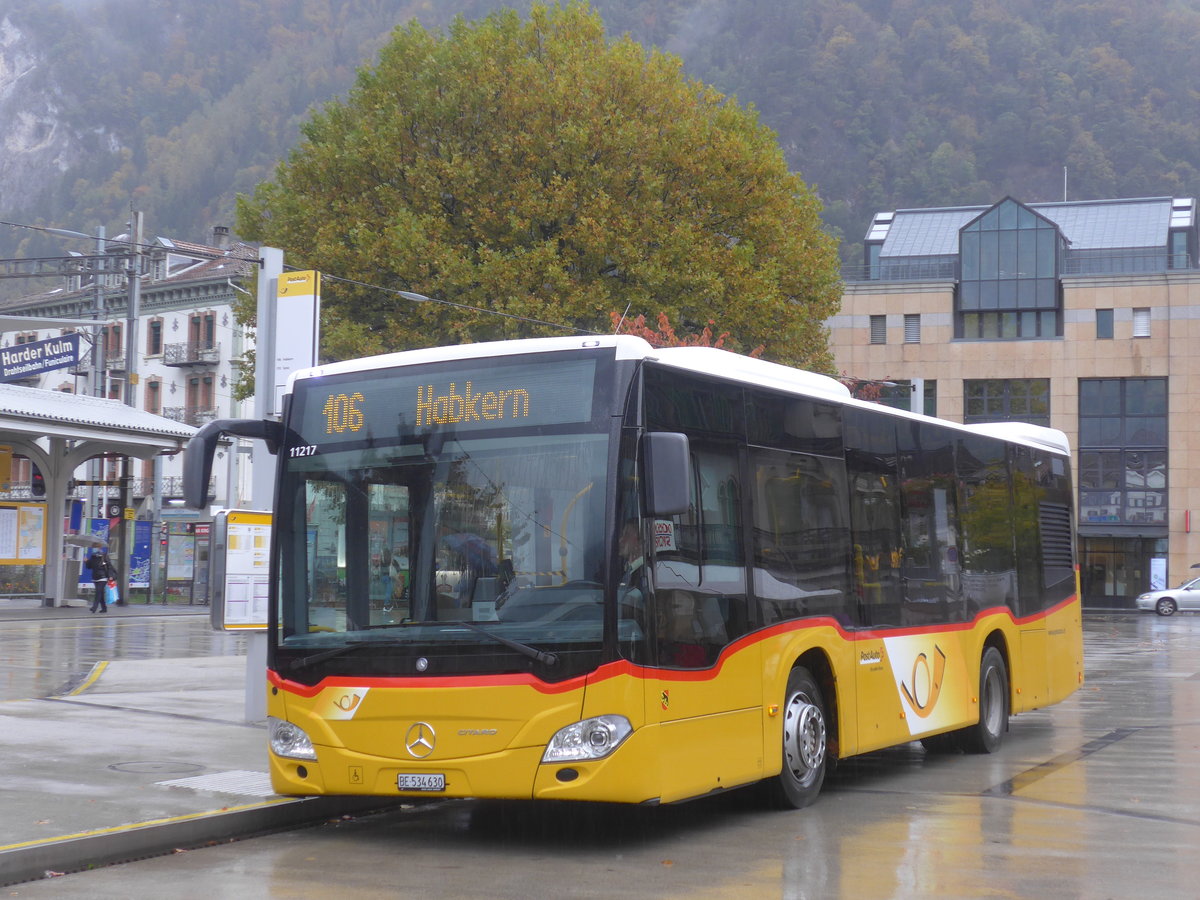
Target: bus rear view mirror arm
[198, 455]
[668, 472]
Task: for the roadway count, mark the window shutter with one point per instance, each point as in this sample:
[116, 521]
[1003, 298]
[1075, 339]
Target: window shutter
[1141, 323]
[912, 328]
[878, 329]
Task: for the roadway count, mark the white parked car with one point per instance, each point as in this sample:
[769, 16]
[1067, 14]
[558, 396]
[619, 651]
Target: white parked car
[1165, 603]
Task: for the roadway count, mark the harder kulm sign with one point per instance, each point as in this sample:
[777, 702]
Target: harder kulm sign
[23, 360]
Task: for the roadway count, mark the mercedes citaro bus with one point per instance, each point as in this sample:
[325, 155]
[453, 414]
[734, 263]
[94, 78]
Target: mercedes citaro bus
[591, 569]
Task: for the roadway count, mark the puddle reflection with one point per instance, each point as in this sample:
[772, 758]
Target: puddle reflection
[45, 659]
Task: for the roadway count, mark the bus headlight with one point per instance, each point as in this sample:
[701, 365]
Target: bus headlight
[289, 740]
[590, 739]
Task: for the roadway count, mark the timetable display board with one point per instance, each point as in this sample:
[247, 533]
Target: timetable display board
[241, 566]
[22, 534]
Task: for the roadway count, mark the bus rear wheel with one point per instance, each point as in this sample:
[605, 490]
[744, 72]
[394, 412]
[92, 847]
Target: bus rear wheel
[805, 744]
[986, 734]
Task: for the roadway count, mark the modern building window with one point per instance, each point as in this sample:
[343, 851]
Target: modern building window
[1104, 324]
[873, 249]
[930, 398]
[1007, 400]
[1123, 450]
[1141, 322]
[1008, 287]
[1179, 257]
[912, 328]
[878, 329]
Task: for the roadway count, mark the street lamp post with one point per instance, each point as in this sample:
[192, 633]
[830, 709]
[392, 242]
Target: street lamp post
[134, 281]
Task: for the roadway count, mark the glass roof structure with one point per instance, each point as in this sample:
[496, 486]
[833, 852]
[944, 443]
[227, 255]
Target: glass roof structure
[1089, 225]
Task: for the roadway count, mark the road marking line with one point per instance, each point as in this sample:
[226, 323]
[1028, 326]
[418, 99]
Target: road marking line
[92, 678]
[134, 826]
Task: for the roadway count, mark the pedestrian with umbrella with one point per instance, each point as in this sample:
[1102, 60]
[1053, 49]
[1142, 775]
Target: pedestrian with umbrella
[103, 573]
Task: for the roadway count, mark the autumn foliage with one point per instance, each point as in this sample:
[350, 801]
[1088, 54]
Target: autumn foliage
[529, 175]
[666, 336]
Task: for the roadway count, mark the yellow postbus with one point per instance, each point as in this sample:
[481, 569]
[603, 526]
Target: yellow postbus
[589, 569]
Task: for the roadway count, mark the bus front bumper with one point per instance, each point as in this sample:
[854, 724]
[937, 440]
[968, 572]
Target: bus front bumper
[626, 776]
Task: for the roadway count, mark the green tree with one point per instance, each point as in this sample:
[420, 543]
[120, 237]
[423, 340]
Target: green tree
[539, 170]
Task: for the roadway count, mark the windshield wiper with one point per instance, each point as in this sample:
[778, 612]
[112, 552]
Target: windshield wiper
[549, 659]
[338, 651]
[533, 653]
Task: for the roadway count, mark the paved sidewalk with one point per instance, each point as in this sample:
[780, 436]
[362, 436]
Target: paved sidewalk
[144, 757]
[31, 608]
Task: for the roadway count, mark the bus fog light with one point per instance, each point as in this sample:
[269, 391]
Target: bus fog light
[590, 739]
[289, 740]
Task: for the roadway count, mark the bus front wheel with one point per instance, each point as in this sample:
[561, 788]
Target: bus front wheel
[986, 734]
[805, 743]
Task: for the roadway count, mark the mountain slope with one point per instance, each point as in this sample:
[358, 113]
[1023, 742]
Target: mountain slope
[175, 107]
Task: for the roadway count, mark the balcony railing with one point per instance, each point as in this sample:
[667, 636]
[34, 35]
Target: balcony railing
[1076, 262]
[139, 488]
[192, 353]
[83, 368]
[909, 270]
[188, 415]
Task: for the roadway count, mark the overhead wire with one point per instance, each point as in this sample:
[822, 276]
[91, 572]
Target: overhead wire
[194, 250]
[421, 298]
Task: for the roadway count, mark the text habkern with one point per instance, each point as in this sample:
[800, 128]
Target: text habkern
[469, 406]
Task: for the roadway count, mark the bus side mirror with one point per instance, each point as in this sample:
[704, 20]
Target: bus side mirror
[198, 454]
[668, 473]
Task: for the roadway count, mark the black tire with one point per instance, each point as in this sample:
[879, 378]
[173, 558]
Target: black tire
[986, 735]
[805, 744]
[1165, 606]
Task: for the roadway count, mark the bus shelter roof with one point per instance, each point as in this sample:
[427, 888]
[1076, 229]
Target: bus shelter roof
[59, 432]
[27, 414]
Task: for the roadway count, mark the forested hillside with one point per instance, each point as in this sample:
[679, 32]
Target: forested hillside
[176, 106]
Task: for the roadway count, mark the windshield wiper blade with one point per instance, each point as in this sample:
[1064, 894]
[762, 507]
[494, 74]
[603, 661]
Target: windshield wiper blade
[549, 659]
[338, 651]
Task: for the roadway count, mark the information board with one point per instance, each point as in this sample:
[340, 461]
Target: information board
[22, 534]
[241, 566]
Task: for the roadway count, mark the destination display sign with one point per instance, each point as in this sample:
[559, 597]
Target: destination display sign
[400, 403]
[24, 360]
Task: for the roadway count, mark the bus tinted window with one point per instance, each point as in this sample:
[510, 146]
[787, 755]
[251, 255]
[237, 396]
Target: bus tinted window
[874, 515]
[989, 574]
[801, 536]
[930, 570]
[794, 423]
[1026, 493]
[675, 402]
[700, 576]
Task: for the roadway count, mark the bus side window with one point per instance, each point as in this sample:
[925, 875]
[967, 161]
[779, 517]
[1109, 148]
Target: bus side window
[931, 569]
[801, 536]
[699, 572]
[874, 515]
[989, 568]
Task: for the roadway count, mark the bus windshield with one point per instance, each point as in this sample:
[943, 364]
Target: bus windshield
[463, 540]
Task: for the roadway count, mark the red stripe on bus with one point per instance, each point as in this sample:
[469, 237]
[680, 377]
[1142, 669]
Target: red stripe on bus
[625, 668]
